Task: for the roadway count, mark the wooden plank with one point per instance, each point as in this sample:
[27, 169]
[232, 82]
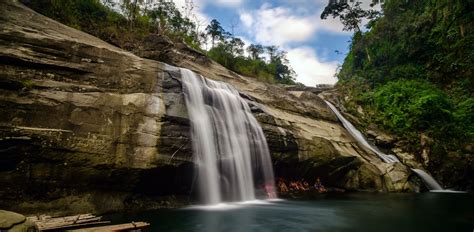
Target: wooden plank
[119, 227]
[45, 223]
[78, 221]
[69, 221]
[42, 225]
[65, 226]
[62, 228]
[67, 218]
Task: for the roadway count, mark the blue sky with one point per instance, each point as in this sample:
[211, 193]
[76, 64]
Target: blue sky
[293, 25]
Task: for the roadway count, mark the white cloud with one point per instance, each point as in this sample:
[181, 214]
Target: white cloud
[278, 25]
[246, 19]
[286, 24]
[228, 3]
[331, 25]
[289, 29]
[309, 68]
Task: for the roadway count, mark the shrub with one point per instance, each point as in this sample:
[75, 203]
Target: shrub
[411, 105]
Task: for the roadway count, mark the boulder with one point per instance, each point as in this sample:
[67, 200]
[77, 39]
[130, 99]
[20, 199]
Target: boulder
[14, 222]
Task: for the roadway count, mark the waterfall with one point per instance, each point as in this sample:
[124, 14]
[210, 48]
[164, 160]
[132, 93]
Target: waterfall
[360, 138]
[429, 180]
[229, 146]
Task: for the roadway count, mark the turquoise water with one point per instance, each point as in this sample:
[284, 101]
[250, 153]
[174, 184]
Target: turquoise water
[342, 212]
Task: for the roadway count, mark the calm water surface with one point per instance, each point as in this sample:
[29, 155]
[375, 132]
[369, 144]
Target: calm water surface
[346, 212]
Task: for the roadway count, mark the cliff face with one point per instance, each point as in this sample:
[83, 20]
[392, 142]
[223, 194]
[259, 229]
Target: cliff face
[86, 126]
[85, 120]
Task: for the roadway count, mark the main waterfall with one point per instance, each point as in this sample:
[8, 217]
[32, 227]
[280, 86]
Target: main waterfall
[229, 146]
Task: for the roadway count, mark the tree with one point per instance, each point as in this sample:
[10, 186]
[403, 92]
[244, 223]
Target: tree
[162, 14]
[131, 10]
[350, 14]
[272, 51]
[255, 50]
[283, 72]
[236, 46]
[170, 21]
[215, 31]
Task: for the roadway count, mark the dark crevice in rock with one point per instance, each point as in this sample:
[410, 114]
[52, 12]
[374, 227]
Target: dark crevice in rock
[30, 64]
[12, 85]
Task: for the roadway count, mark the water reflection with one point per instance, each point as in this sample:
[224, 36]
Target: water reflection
[214, 221]
[347, 212]
[264, 216]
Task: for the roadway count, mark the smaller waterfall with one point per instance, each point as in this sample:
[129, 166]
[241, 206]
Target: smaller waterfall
[360, 138]
[429, 181]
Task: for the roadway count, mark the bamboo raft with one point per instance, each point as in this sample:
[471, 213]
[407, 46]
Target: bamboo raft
[77, 223]
[133, 226]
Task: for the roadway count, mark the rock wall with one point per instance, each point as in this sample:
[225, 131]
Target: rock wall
[85, 119]
[88, 127]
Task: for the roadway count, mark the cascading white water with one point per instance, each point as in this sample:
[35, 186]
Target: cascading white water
[360, 138]
[229, 146]
[429, 181]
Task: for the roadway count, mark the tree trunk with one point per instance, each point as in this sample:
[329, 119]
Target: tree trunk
[133, 14]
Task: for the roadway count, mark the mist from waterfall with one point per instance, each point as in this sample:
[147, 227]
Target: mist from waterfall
[360, 138]
[229, 146]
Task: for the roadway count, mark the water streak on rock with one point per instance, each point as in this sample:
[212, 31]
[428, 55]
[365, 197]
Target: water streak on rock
[360, 138]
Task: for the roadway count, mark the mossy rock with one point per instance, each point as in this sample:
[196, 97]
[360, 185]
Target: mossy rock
[14, 222]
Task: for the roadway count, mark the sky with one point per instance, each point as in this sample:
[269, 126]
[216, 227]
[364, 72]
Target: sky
[293, 25]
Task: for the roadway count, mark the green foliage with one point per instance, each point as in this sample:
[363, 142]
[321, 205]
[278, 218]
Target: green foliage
[170, 21]
[76, 13]
[27, 83]
[412, 71]
[407, 105]
[415, 40]
[126, 29]
[255, 50]
[230, 53]
[464, 117]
